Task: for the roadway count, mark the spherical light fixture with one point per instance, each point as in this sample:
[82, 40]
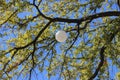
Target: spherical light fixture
[61, 36]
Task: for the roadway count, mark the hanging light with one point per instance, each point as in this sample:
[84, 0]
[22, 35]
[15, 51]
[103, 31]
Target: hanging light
[61, 36]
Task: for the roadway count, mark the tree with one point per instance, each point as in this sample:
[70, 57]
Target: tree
[29, 27]
[118, 2]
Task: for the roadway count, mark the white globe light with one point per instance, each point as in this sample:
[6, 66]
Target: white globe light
[61, 36]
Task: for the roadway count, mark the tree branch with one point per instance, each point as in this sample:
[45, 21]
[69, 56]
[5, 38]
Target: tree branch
[100, 64]
[90, 17]
[112, 35]
[9, 18]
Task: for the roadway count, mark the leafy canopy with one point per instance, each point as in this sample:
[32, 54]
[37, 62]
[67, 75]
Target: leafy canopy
[28, 42]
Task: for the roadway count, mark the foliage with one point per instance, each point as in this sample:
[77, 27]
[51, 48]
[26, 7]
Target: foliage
[30, 25]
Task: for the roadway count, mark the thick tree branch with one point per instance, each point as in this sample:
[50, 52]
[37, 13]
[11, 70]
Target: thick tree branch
[90, 17]
[111, 36]
[100, 64]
